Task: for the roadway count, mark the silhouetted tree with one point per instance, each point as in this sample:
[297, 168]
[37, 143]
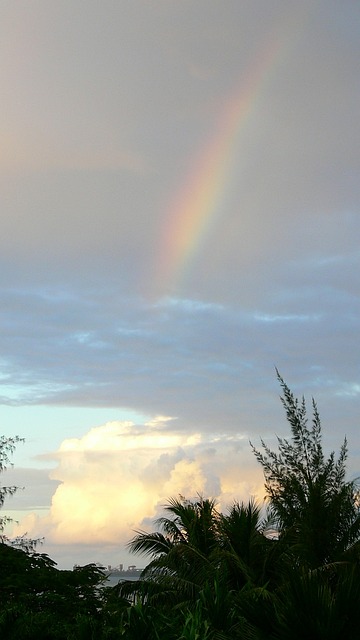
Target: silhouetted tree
[313, 507]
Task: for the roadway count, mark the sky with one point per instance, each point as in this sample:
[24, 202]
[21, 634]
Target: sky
[179, 201]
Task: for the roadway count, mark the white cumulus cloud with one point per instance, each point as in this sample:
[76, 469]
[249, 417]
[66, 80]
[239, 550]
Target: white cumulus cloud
[116, 478]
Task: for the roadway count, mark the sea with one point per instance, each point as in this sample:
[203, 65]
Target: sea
[114, 578]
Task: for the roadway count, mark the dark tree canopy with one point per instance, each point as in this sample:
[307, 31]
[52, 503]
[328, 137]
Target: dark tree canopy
[213, 575]
[310, 500]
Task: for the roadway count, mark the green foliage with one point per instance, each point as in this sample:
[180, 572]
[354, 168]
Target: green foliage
[40, 601]
[319, 604]
[7, 448]
[245, 548]
[31, 581]
[311, 503]
[181, 553]
[204, 567]
[211, 575]
[228, 576]
[37, 600]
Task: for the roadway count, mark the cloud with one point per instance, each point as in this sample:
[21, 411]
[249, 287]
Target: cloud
[116, 478]
[209, 364]
[103, 121]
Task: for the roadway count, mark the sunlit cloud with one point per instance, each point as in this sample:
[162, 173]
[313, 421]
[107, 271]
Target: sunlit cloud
[117, 477]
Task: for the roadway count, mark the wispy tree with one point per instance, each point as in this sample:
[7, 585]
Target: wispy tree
[312, 505]
[7, 448]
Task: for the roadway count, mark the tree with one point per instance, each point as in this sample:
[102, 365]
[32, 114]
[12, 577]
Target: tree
[312, 506]
[244, 550]
[206, 568]
[38, 600]
[7, 447]
[311, 604]
[215, 575]
[181, 551]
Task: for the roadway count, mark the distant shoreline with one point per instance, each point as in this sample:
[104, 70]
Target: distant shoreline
[113, 577]
[125, 573]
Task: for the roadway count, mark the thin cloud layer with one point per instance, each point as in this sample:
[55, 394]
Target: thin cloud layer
[209, 364]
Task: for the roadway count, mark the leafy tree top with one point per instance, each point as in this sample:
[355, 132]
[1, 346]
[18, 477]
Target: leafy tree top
[7, 448]
[309, 497]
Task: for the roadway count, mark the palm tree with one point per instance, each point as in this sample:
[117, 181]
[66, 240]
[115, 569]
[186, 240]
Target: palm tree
[196, 542]
[224, 576]
[322, 604]
[207, 564]
[180, 552]
[243, 544]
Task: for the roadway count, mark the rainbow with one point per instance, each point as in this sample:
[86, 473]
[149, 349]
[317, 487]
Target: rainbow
[196, 205]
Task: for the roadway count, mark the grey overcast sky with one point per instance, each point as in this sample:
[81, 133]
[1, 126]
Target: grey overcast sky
[179, 196]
